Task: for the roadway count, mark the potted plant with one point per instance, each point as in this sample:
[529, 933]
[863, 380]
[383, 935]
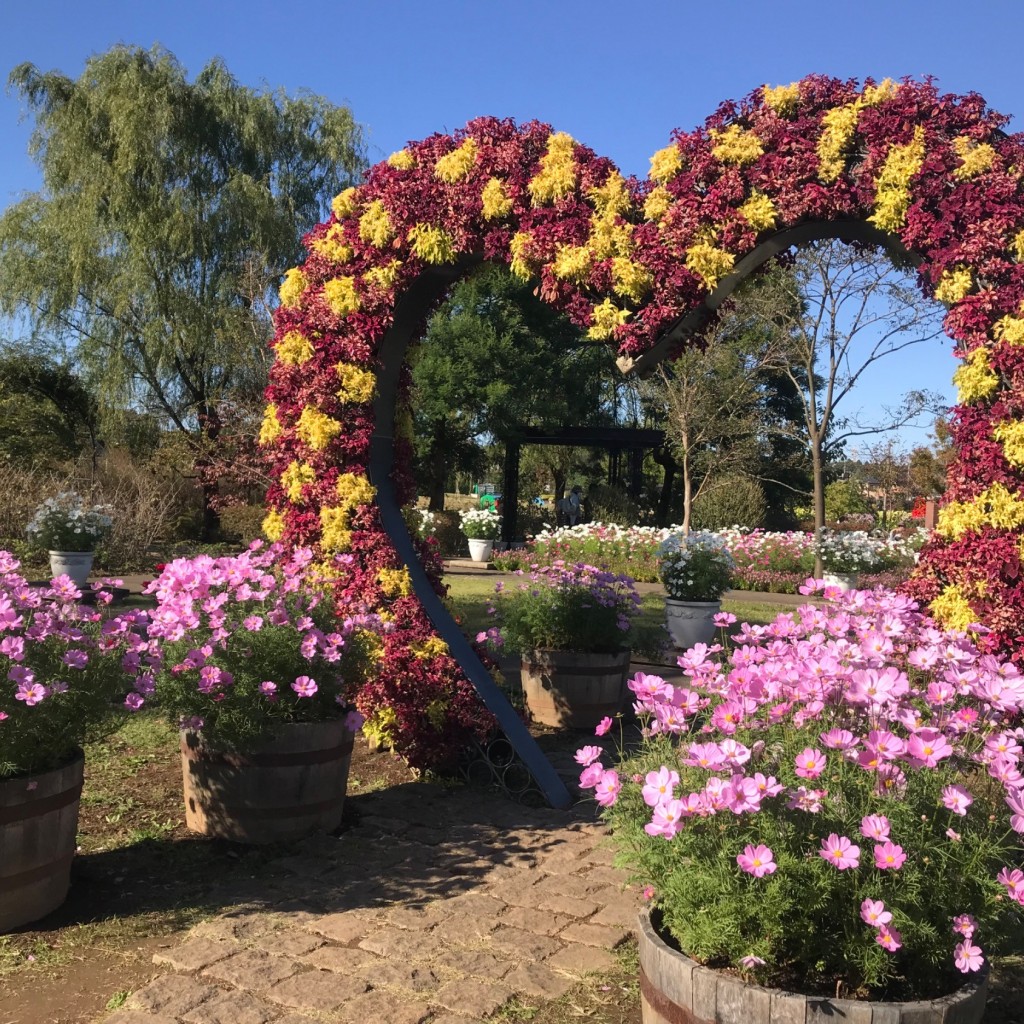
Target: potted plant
[835, 808]
[69, 530]
[846, 553]
[482, 527]
[696, 570]
[571, 624]
[65, 668]
[259, 669]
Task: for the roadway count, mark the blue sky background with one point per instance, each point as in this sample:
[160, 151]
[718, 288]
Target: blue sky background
[617, 76]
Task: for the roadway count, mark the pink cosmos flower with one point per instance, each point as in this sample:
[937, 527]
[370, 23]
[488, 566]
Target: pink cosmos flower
[606, 792]
[588, 755]
[967, 956]
[889, 856]
[134, 701]
[838, 739]
[721, 620]
[31, 693]
[660, 785]
[591, 775]
[805, 799]
[750, 961]
[304, 686]
[956, 799]
[665, 819]
[889, 938]
[1014, 882]
[648, 892]
[873, 912]
[603, 726]
[757, 860]
[75, 659]
[955, 836]
[840, 852]
[268, 688]
[810, 763]
[875, 826]
[1015, 801]
[964, 925]
[927, 747]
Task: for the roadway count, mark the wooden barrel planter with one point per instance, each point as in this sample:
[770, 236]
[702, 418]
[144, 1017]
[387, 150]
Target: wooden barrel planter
[676, 990]
[571, 689]
[38, 829]
[287, 788]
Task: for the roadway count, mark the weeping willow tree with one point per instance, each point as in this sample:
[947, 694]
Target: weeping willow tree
[169, 211]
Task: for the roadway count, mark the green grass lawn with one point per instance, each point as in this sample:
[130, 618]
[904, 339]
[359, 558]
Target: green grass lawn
[470, 595]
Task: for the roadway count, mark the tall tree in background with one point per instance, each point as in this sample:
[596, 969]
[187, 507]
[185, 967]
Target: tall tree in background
[845, 309]
[725, 410]
[169, 210]
[495, 359]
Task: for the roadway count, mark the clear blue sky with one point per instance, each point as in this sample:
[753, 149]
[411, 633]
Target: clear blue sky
[617, 76]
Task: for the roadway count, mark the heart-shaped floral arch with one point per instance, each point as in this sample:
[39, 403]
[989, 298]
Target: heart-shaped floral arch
[642, 265]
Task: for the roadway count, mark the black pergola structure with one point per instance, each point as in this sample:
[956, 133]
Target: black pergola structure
[625, 446]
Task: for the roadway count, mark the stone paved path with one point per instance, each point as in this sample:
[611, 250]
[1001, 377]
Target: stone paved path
[439, 906]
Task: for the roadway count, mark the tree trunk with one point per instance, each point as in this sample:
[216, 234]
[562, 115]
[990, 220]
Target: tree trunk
[663, 457]
[209, 432]
[818, 468]
[687, 488]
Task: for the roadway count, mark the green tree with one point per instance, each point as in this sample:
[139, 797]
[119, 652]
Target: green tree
[494, 359]
[48, 415]
[169, 211]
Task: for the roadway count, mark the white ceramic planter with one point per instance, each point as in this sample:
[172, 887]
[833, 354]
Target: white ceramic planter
[843, 580]
[76, 564]
[480, 550]
[691, 622]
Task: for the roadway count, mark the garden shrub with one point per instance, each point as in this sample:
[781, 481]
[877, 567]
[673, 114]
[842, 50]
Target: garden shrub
[734, 500]
[605, 503]
[844, 498]
[242, 522]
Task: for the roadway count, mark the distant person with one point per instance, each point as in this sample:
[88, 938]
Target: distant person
[575, 502]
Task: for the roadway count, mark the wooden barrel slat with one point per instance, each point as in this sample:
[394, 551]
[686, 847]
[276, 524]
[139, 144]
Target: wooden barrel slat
[38, 831]
[567, 689]
[289, 787]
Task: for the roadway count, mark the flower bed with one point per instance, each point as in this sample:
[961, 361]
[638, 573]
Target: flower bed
[844, 790]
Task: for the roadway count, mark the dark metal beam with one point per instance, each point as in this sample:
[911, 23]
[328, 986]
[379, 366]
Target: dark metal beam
[410, 312]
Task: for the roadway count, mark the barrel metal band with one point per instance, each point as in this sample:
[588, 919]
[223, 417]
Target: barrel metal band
[292, 760]
[37, 808]
[9, 883]
[247, 813]
[673, 1013]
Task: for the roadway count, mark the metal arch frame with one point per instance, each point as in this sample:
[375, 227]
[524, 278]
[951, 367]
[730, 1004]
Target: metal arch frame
[410, 312]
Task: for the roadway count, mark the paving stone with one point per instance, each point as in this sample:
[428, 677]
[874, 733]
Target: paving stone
[341, 959]
[289, 942]
[464, 928]
[317, 990]
[540, 981]
[602, 854]
[603, 876]
[253, 969]
[579, 959]
[518, 889]
[413, 977]
[601, 935]
[231, 926]
[232, 1008]
[564, 885]
[381, 1006]
[541, 922]
[485, 904]
[568, 905]
[195, 954]
[143, 1017]
[522, 945]
[398, 944]
[453, 1018]
[346, 926]
[296, 1018]
[618, 915]
[474, 998]
[467, 961]
[416, 917]
[171, 995]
